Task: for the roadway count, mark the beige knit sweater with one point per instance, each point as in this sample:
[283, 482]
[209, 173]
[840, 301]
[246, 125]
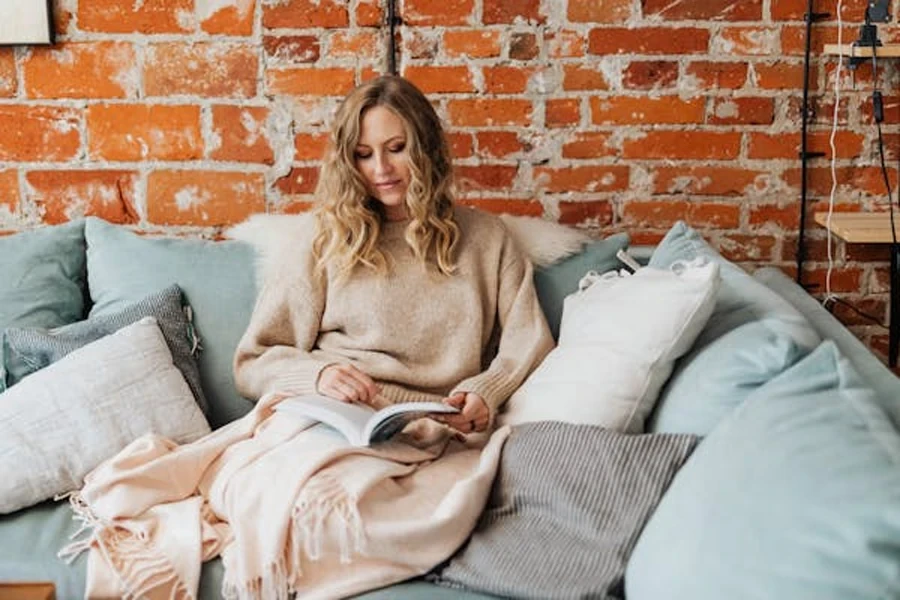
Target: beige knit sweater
[421, 335]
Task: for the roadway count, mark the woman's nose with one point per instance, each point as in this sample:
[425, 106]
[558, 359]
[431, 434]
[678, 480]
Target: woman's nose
[382, 164]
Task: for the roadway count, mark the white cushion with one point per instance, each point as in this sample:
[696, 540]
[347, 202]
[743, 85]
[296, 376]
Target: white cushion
[619, 339]
[59, 423]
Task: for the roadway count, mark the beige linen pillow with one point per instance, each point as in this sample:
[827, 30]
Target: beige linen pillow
[59, 423]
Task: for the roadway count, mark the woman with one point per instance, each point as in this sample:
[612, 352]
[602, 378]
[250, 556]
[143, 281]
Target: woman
[397, 295]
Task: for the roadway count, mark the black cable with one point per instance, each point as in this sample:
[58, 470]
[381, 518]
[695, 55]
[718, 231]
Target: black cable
[865, 315]
[392, 41]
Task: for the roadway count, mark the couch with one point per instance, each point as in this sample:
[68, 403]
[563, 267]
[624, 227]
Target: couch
[784, 482]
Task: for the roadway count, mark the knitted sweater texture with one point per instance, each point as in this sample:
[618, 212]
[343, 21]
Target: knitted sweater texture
[420, 334]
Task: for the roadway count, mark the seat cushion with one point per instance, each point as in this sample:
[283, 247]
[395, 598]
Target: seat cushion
[796, 494]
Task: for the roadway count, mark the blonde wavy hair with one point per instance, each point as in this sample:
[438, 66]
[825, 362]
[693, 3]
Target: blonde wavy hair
[349, 219]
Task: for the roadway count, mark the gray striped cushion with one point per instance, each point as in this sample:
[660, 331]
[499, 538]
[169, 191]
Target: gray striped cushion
[26, 350]
[566, 509]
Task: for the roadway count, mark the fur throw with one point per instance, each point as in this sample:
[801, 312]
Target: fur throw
[543, 241]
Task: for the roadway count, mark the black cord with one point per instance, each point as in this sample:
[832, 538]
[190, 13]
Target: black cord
[830, 301]
[392, 41]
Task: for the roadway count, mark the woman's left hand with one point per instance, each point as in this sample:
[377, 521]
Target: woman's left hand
[473, 416]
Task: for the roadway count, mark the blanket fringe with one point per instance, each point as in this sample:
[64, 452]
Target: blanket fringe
[81, 512]
[322, 497]
[273, 585]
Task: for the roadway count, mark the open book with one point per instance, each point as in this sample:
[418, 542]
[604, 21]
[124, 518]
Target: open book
[361, 425]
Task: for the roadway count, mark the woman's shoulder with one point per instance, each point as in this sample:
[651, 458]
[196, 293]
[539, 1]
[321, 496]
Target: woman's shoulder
[472, 220]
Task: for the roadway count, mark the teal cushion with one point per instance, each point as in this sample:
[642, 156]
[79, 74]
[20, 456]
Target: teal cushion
[795, 495]
[554, 282]
[752, 336]
[217, 279]
[43, 278]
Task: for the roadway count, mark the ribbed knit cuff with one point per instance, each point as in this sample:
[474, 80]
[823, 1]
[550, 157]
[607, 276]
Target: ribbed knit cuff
[494, 387]
[301, 379]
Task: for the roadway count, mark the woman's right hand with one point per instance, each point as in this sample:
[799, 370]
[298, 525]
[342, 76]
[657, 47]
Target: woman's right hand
[347, 384]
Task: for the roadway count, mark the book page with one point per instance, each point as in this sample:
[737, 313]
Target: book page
[349, 419]
[390, 420]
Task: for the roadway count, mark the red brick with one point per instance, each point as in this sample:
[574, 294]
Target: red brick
[780, 76]
[131, 132]
[595, 213]
[9, 190]
[844, 279]
[646, 75]
[128, 16]
[440, 79]
[9, 80]
[485, 177]
[424, 44]
[739, 247]
[562, 112]
[200, 197]
[564, 44]
[207, 69]
[305, 14]
[441, 13]
[510, 206]
[39, 133]
[334, 81]
[310, 146]
[665, 213]
[747, 41]
[301, 180]
[473, 43]
[242, 134]
[675, 145]
[719, 10]
[360, 44]
[462, 145]
[523, 46]
[861, 311]
[577, 77]
[66, 195]
[769, 146]
[588, 144]
[506, 12]
[706, 180]
[235, 18]
[850, 180]
[786, 218]
[369, 13]
[718, 75]
[499, 144]
[599, 11]
[81, 70]
[648, 40]
[292, 49]
[600, 178]
[506, 80]
[489, 112]
[630, 110]
[742, 111]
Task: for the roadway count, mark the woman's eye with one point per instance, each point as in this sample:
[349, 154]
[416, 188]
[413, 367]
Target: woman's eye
[397, 149]
[362, 155]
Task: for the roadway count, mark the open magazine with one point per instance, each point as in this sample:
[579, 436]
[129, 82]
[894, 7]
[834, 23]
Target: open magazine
[361, 425]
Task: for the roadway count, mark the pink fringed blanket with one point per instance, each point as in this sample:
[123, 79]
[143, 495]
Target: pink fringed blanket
[290, 507]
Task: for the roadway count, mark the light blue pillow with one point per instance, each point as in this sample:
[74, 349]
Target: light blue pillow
[752, 336]
[217, 279]
[553, 283]
[795, 495]
[43, 278]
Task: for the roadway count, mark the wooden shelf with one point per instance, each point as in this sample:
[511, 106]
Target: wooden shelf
[851, 51]
[861, 227]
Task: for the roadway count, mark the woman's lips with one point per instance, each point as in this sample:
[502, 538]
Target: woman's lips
[386, 185]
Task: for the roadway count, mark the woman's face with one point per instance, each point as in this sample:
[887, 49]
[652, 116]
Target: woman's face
[383, 159]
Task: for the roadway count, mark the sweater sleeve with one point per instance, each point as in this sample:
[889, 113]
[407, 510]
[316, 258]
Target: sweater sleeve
[274, 353]
[525, 337]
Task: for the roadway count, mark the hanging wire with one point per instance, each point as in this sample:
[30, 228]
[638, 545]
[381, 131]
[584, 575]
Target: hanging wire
[393, 21]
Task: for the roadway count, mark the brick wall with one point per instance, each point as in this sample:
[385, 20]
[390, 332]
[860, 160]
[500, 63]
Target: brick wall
[184, 116]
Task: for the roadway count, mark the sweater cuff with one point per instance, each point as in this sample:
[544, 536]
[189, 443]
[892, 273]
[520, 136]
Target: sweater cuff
[493, 387]
[300, 379]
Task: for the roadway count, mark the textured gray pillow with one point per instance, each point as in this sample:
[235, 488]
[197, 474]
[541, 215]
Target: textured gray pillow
[26, 350]
[566, 509]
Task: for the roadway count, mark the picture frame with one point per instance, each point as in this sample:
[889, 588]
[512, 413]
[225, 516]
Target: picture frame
[26, 22]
